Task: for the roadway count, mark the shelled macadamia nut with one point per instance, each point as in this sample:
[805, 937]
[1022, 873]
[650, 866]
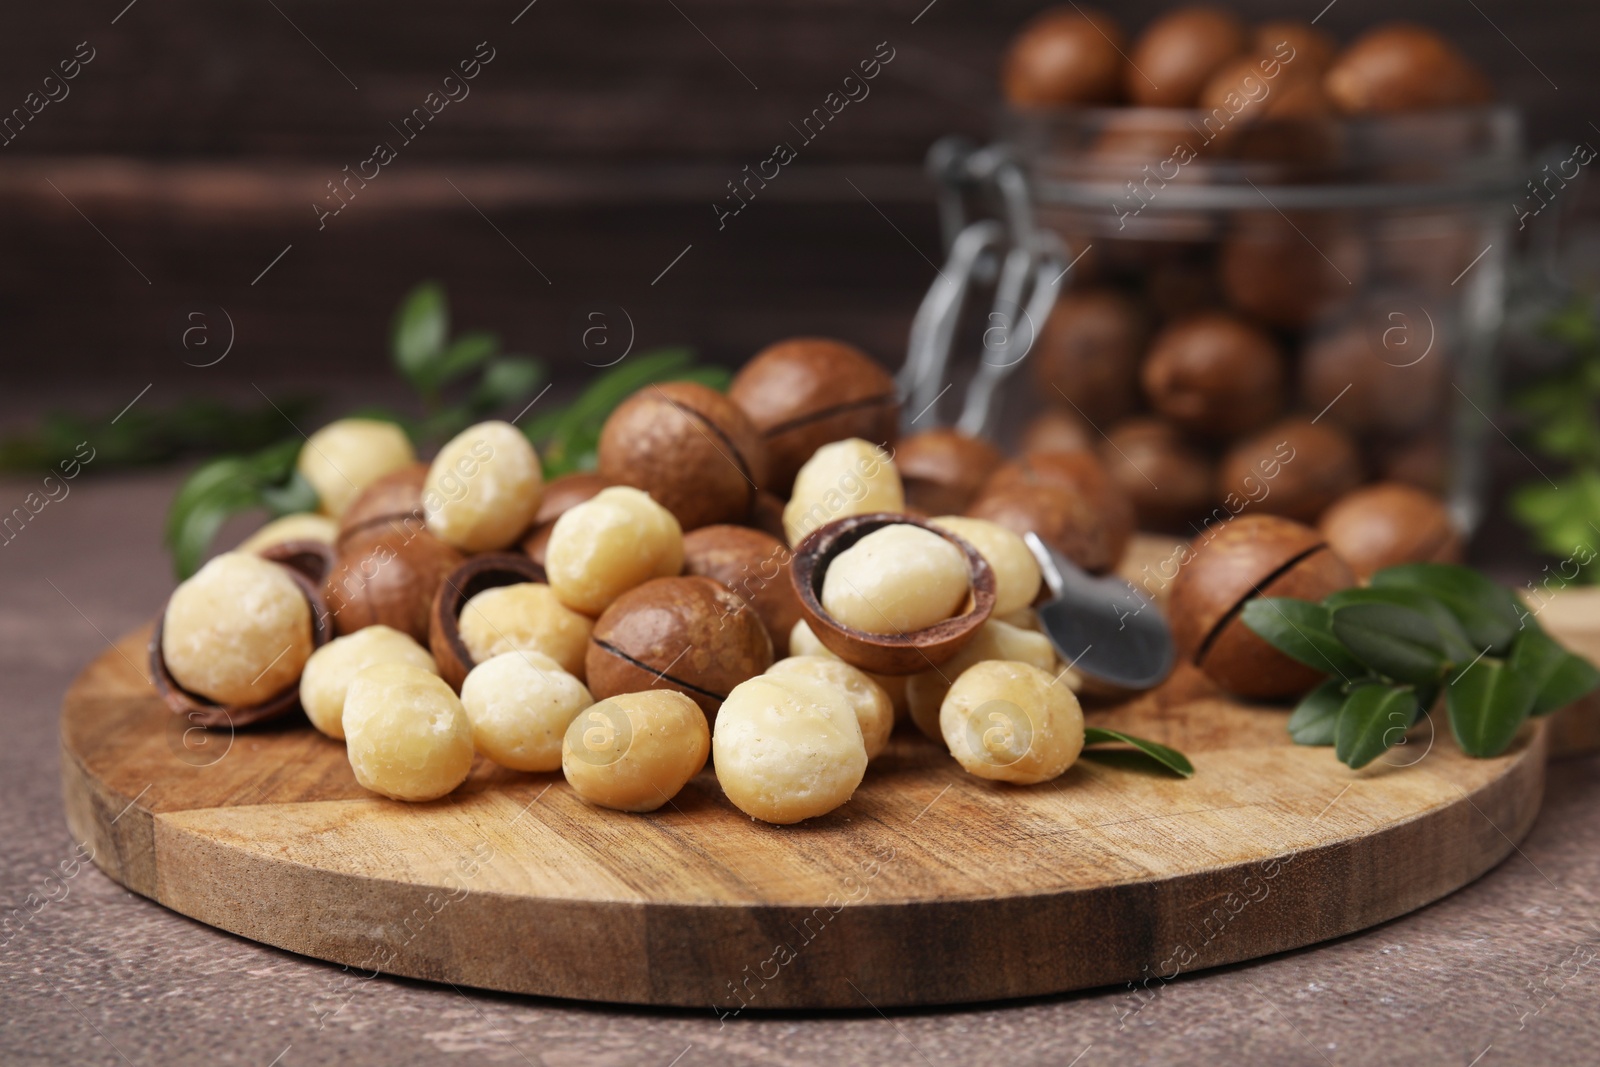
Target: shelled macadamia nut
[635, 751]
[1011, 722]
[332, 667]
[807, 392]
[874, 711]
[691, 448]
[520, 705]
[406, 733]
[346, 456]
[942, 470]
[1016, 572]
[754, 565]
[1066, 56]
[560, 495]
[802, 642]
[525, 617]
[896, 580]
[1389, 523]
[483, 488]
[1214, 375]
[1294, 468]
[1175, 55]
[1087, 354]
[238, 631]
[925, 692]
[286, 528]
[617, 539]
[788, 748]
[851, 477]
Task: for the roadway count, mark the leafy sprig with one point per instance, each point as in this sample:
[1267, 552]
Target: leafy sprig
[1168, 758]
[1419, 631]
[435, 365]
[1563, 415]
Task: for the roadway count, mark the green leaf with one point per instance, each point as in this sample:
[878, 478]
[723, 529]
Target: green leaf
[506, 380]
[1557, 676]
[466, 353]
[295, 496]
[1373, 719]
[1316, 718]
[1396, 642]
[1488, 704]
[420, 329]
[1455, 642]
[1302, 631]
[1489, 613]
[1170, 758]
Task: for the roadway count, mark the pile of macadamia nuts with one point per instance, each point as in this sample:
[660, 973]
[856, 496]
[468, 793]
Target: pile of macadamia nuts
[768, 579]
[627, 624]
[1294, 362]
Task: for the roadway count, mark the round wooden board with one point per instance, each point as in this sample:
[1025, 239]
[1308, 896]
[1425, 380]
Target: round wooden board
[929, 887]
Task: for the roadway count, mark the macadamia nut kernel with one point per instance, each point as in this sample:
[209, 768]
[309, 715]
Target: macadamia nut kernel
[788, 748]
[874, 711]
[896, 580]
[850, 477]
[802, 642]
[483, 488]
[925, 692]
[1016, 572]
[1012, 722]
[603, 547]
[301, 527]
[406, 733]
[520, 705]
[634, 752]
[346, 456]
[237, 632]
[332, 667]
[526, 617]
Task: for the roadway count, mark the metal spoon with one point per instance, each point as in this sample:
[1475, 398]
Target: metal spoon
[1102, 627]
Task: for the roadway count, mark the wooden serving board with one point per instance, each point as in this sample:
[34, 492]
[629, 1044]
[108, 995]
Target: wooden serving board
[929, 887]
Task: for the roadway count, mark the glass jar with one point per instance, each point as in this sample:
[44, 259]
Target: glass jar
[1372, 253]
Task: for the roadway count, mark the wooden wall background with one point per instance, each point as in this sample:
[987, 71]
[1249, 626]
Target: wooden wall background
[595, 142]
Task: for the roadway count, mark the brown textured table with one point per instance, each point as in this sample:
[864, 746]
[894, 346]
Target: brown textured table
[1501, 972]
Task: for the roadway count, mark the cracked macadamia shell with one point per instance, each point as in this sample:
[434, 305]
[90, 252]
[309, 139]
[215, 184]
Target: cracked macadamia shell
[527, 617]
[344, 457]
[788, 748]
[520, 705]
[406, 733]
[1012, 722]
[873, 708]
[896, 580]
[603, 547]
[237, 632]
[483, 488]
[635, 751]
[332, 668]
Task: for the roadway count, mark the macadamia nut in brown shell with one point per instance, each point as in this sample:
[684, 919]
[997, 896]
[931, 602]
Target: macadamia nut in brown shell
[1214, 375]
[806, 392]
[691, 448]
[1066, 55]
[1389, 523]
[754, 565]
[690, 634]
[1176, 54]
[1294, 468]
